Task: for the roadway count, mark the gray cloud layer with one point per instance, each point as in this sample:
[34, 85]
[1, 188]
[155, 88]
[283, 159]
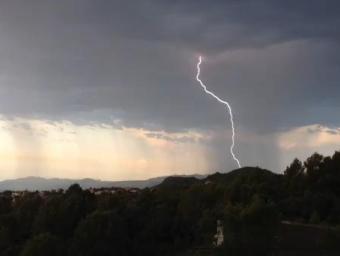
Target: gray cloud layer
[277, 62]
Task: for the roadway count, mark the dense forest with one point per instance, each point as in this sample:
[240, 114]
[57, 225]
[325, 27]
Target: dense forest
[178, 217]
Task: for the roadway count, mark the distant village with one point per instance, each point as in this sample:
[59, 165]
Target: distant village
[16, 195]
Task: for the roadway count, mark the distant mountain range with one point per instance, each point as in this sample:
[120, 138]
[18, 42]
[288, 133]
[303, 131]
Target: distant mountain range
[175, 181]
[39, 183]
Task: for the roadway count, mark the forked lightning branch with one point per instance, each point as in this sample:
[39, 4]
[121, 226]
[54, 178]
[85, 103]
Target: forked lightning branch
[224, 103]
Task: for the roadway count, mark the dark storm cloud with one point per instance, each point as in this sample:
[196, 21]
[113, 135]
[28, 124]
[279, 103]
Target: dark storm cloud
[277, 62]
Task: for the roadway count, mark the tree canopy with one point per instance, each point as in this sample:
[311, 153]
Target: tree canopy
[176, 217]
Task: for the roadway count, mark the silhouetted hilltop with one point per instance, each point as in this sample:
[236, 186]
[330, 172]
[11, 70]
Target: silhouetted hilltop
[244, 172]
[245, 175]
[178, 182]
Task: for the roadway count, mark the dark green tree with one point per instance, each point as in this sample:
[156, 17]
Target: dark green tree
[42, 245]
[101, 233]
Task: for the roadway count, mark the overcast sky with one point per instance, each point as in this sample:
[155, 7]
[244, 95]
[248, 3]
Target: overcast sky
[106, 89]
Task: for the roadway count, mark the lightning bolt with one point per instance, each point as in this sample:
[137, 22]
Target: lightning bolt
[224, 103]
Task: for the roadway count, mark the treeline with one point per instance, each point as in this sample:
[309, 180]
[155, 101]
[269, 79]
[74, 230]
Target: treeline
[178, 217]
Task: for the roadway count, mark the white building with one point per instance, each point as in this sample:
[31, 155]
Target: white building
[219, 237]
